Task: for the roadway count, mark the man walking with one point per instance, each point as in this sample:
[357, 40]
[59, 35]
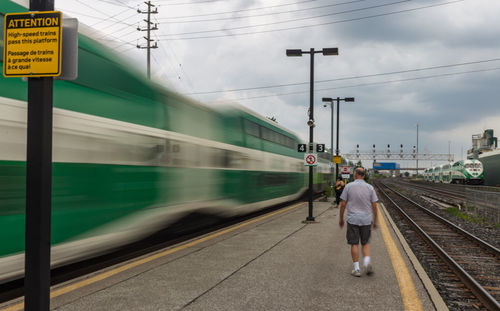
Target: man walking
[360, 199]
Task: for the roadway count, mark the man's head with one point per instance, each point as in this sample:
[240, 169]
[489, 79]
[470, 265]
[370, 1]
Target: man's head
[359, 173]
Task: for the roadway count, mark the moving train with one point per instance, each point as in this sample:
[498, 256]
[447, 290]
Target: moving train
[460, 172]
[131, 157]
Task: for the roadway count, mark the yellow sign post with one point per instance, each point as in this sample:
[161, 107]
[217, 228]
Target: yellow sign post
[32, 44]
[337, 159]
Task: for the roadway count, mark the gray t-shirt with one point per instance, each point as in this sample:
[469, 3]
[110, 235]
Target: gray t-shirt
[359, 196]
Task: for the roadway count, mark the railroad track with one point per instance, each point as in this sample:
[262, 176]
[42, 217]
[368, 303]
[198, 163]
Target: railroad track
[458, 194]
[465, 269]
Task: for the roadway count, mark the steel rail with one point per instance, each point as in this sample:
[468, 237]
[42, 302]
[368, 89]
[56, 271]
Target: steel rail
[486, 298]
[449, 192]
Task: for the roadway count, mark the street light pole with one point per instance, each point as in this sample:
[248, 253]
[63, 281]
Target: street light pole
[331, 149]
[310, 123]
[337, 147]
[310, 216]
[330, 100]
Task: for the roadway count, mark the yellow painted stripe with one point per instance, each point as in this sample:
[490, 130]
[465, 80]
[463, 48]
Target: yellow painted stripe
[411, 300]
[107, 274]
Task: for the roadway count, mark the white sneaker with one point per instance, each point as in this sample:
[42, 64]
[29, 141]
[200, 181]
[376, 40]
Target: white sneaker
[356, 273]
[369, 269]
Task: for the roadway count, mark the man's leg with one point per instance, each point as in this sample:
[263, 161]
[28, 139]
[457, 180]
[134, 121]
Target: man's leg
[355, 252]
[353, 240]
[365, 249]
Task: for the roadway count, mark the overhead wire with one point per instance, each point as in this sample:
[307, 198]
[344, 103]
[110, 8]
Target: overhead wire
[181, 70]
[262, 14]
[92, 16]
[352, 77]
[190, 3]
[293, 20]
[122, 4]
[169, 60]
[315, 25]
[367, 84]
[243, 10]
[112, 17]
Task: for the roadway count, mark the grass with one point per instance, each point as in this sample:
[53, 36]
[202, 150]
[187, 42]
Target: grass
[467, 216]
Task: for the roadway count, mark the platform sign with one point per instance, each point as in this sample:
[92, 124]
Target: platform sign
[345, 169]
[32, 44]
[337, 159]
[310, 159]
[301, 147]
[320, 148]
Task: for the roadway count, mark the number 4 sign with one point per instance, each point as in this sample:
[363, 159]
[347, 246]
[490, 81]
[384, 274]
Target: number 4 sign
[301, 147]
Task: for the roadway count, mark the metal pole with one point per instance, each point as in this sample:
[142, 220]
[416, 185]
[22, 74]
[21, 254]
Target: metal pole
[337, 148]
[310, 217]
[417, 150]
[38, 186]
[149, 40]
[331, 150]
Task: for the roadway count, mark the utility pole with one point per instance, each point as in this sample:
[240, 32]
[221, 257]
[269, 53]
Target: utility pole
[149, 28]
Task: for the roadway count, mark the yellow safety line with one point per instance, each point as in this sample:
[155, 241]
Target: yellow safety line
[411, 300]
[107, 274]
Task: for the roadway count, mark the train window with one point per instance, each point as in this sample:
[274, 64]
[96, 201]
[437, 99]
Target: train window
[266, 133]
[251, 128]
[233, 159]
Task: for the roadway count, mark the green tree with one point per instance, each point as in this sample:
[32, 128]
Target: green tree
[273, 118]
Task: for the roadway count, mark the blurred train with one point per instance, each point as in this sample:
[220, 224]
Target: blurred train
[131, 157]
[460, 172]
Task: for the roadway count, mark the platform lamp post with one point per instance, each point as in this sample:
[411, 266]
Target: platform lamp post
[338, 99]
[330, 103]
[310, 122]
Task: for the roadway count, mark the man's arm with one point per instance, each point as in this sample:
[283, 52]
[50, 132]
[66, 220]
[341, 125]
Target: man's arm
[341, 215]
[375, 214]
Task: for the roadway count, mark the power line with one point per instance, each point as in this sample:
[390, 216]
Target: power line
[91, 16]
[122, 4]
[264, 14]
[293, 20]
[112, 17]
[189, 3]
[351, 78]
[315, 25]
[244, 10]
[369, 84]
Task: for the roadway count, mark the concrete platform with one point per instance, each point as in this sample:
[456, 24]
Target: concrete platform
[275, 262]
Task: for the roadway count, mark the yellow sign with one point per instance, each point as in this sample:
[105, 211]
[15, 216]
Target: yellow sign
[32, 44]
[337, 159]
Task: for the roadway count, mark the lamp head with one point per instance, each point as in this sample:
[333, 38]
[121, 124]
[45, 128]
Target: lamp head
[330, 51]
[349, 99]
[293, 52]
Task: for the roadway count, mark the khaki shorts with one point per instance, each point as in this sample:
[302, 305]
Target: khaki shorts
[355, 232]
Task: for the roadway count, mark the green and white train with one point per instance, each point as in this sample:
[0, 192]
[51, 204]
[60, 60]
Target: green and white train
[460, 172]
[131, 157]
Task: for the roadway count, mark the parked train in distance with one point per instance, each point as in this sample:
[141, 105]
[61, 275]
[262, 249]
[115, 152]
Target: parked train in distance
[131, 157]
[459, 172]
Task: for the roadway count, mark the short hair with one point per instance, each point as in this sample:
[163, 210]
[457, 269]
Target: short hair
[360, 171]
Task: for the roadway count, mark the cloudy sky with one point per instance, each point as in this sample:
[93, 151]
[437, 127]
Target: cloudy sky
[431, 62]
